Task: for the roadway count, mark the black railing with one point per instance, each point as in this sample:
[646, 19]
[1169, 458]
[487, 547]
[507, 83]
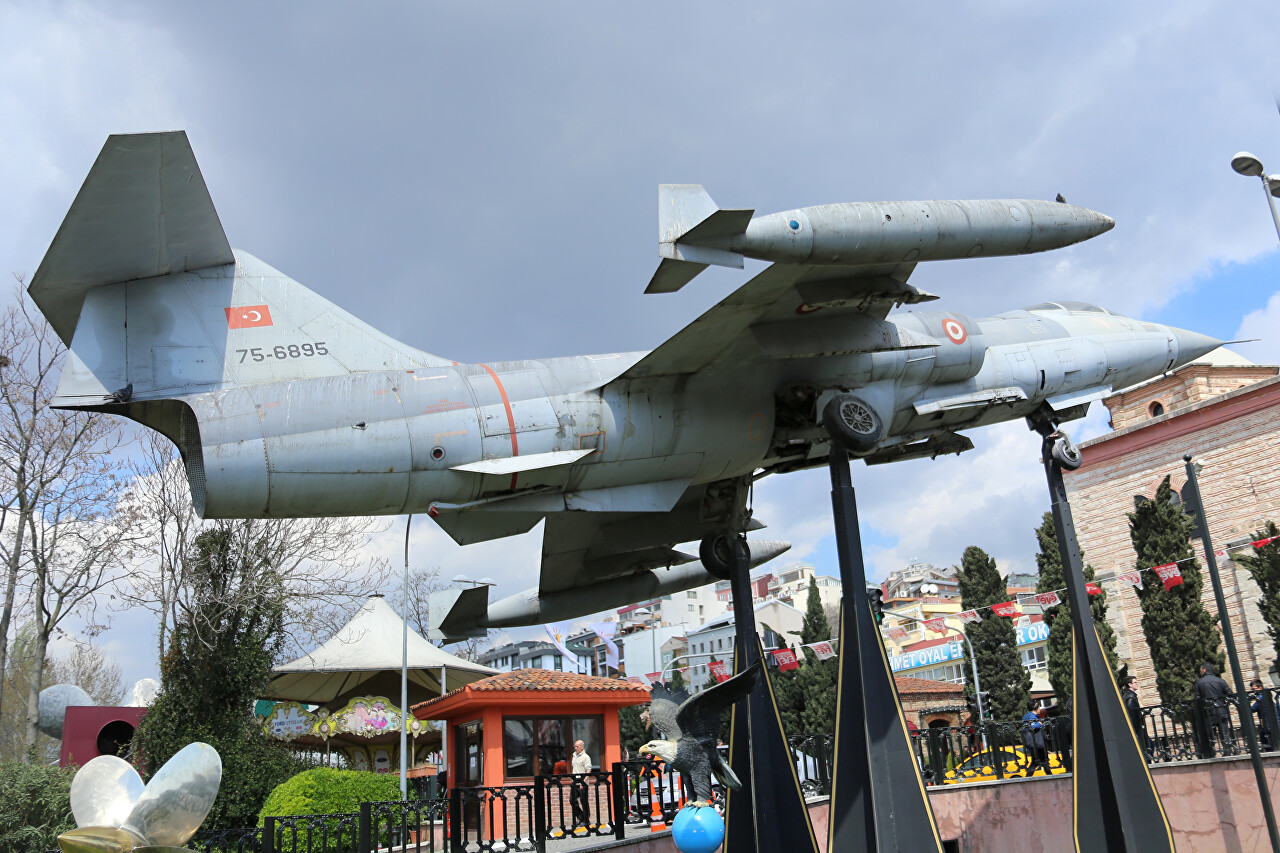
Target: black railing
[646, 794]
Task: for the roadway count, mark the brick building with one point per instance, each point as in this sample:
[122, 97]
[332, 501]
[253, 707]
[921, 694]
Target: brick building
[930, 703]
[1226, 413]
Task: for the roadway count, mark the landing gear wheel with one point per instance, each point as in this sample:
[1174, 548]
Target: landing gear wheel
[852, 424]
[1065, 453]
[720, 551]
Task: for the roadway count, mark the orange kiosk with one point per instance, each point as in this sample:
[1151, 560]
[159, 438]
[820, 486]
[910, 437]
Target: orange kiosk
[506, 729]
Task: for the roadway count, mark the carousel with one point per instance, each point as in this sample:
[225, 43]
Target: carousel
[334, 701]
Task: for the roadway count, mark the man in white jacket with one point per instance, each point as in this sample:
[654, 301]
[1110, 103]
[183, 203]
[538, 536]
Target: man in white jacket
[581, 763]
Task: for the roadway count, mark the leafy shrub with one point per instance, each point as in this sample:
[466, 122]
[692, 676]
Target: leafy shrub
[35, 806]
[326, 791]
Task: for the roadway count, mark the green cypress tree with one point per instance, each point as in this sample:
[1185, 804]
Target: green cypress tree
[1264, 565]
[677, 678]
[816, 679]
[1180, 633]
[1052, 579]
[994, 639]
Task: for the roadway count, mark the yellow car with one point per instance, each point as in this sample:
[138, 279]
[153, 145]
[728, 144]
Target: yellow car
[980, 767]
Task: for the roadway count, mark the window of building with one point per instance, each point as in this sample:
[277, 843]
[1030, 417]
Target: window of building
[535, 663]
[1035, 658]
[1156, 409]
[692, 594]
[534, 746]
[690, 608]
[557, 662]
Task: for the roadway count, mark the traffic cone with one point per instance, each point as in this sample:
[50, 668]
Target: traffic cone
[657, 823]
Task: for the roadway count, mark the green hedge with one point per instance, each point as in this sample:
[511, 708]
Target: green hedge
[35, 806]
[325, 791]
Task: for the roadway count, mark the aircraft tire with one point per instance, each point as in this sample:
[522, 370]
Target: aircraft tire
[717, 553]
[1066, 454]
[852, 424]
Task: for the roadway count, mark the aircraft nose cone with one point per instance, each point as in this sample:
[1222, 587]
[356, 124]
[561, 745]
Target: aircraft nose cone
[1192, 345]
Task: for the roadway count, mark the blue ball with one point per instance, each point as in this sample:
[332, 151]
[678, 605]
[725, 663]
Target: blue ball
[698, 830]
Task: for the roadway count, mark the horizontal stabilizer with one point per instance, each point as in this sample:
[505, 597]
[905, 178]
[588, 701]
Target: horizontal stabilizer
[143, 211]
[531, 462]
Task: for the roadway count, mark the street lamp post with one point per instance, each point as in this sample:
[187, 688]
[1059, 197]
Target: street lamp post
[1251, 167]
[1224, 621]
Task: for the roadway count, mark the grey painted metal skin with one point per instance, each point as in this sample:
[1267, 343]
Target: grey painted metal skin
[284, 405]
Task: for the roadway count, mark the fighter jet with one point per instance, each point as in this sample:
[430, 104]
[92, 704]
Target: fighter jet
[282, 404]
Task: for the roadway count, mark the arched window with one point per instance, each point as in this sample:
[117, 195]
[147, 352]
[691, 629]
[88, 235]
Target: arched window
[1156, 409]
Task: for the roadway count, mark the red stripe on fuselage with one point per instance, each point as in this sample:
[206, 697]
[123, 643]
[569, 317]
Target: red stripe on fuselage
[511, 419]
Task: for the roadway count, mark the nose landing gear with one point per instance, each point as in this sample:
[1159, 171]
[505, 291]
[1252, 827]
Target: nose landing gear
[1057, 444]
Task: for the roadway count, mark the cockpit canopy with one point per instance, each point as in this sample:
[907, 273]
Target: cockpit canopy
[1069, 307]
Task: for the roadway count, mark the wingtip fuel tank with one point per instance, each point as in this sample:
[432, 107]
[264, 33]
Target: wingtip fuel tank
[694, 233]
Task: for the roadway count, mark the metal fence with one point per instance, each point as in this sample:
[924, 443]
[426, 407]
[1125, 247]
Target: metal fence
[644, 795]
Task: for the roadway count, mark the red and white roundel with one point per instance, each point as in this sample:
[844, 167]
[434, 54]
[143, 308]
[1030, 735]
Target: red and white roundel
[954, 331]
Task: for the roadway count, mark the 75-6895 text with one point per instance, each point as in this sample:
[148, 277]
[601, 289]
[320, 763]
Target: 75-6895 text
[283, 351]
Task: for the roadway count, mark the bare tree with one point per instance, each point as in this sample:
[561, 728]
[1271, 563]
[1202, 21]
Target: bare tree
[64, 528]
[318, 564]
[90, 668]
[422, 583]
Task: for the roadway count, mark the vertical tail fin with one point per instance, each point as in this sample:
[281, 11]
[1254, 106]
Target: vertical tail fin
[142, 285]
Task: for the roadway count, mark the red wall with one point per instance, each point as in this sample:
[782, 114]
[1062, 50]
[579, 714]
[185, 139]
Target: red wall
[85, 725]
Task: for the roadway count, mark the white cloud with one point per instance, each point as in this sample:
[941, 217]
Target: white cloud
[1263, 324]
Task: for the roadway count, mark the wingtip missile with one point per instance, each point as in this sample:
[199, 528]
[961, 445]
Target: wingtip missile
[693, 233]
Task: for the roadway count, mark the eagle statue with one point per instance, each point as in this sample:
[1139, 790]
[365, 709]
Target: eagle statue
[691, 725]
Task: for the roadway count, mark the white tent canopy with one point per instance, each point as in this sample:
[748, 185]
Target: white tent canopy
[363, 658]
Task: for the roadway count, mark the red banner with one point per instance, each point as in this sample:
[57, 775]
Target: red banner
[1134, 578]
[1261, 542]
[937, 626]
[1048, 599]
[1093, 589]
[1008, 609]
[823, 650]
[719, 670]
[786, 659]
[1169, 574]
[654, 677]
[896, 633]
[969, 616]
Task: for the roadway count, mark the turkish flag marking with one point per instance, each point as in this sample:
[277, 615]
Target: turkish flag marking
[248, 316]
[1169, 575]
[1008, 609]
[1048, 599]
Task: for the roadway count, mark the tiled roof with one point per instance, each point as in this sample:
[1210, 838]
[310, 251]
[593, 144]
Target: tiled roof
[917, 686]
[540, 680]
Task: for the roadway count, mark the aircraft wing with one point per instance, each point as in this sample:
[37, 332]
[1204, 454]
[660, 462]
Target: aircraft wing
[793, 311]
[587, 547]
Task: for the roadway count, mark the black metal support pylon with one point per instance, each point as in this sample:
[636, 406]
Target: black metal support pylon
[878, 800]
[768, 813]
[1116, 806]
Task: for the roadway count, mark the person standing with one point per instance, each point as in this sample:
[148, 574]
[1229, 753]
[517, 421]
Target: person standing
[1212, 692]
[1255, 694]
[1130, 696]
[1033, 739]
[581, 764]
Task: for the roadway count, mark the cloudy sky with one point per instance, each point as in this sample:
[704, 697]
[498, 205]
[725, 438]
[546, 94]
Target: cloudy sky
[478, 180]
